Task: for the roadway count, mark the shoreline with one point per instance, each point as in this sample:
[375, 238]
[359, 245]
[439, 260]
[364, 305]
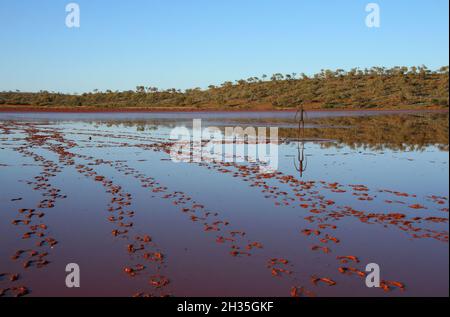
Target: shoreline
[26, 109]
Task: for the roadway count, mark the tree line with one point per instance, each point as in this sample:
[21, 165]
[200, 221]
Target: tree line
[377, 87]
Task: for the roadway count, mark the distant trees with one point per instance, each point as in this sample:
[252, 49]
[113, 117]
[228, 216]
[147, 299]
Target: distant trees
[140, 89]
[376, 87]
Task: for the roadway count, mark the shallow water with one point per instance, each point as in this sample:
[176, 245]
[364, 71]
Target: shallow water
[107, 196]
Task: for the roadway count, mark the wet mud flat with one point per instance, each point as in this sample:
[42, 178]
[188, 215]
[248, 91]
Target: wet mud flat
[105, 194]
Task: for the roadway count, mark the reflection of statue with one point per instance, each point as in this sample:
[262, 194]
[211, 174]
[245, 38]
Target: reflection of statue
[301, 158]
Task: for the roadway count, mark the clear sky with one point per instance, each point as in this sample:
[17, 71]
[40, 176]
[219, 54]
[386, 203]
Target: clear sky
[190, 43]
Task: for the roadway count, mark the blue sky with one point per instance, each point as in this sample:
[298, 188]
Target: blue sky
[190, 43]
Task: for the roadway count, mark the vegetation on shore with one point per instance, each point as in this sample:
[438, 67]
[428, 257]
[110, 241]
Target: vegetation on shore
[377, 87]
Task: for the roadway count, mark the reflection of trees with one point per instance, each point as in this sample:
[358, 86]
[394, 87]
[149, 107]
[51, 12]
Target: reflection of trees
[395, 132]
[140, 125]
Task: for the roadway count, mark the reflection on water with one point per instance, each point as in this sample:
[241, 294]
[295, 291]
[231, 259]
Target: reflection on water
[301, 163]
[396, 132]
[301, 158]
[104, 194]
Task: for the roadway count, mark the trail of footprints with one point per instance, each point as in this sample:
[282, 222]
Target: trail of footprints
[322, 213]
[32, 219]
[195, 211]
[121, 216]
[308, 195]
[142, 248]
[318, 205]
